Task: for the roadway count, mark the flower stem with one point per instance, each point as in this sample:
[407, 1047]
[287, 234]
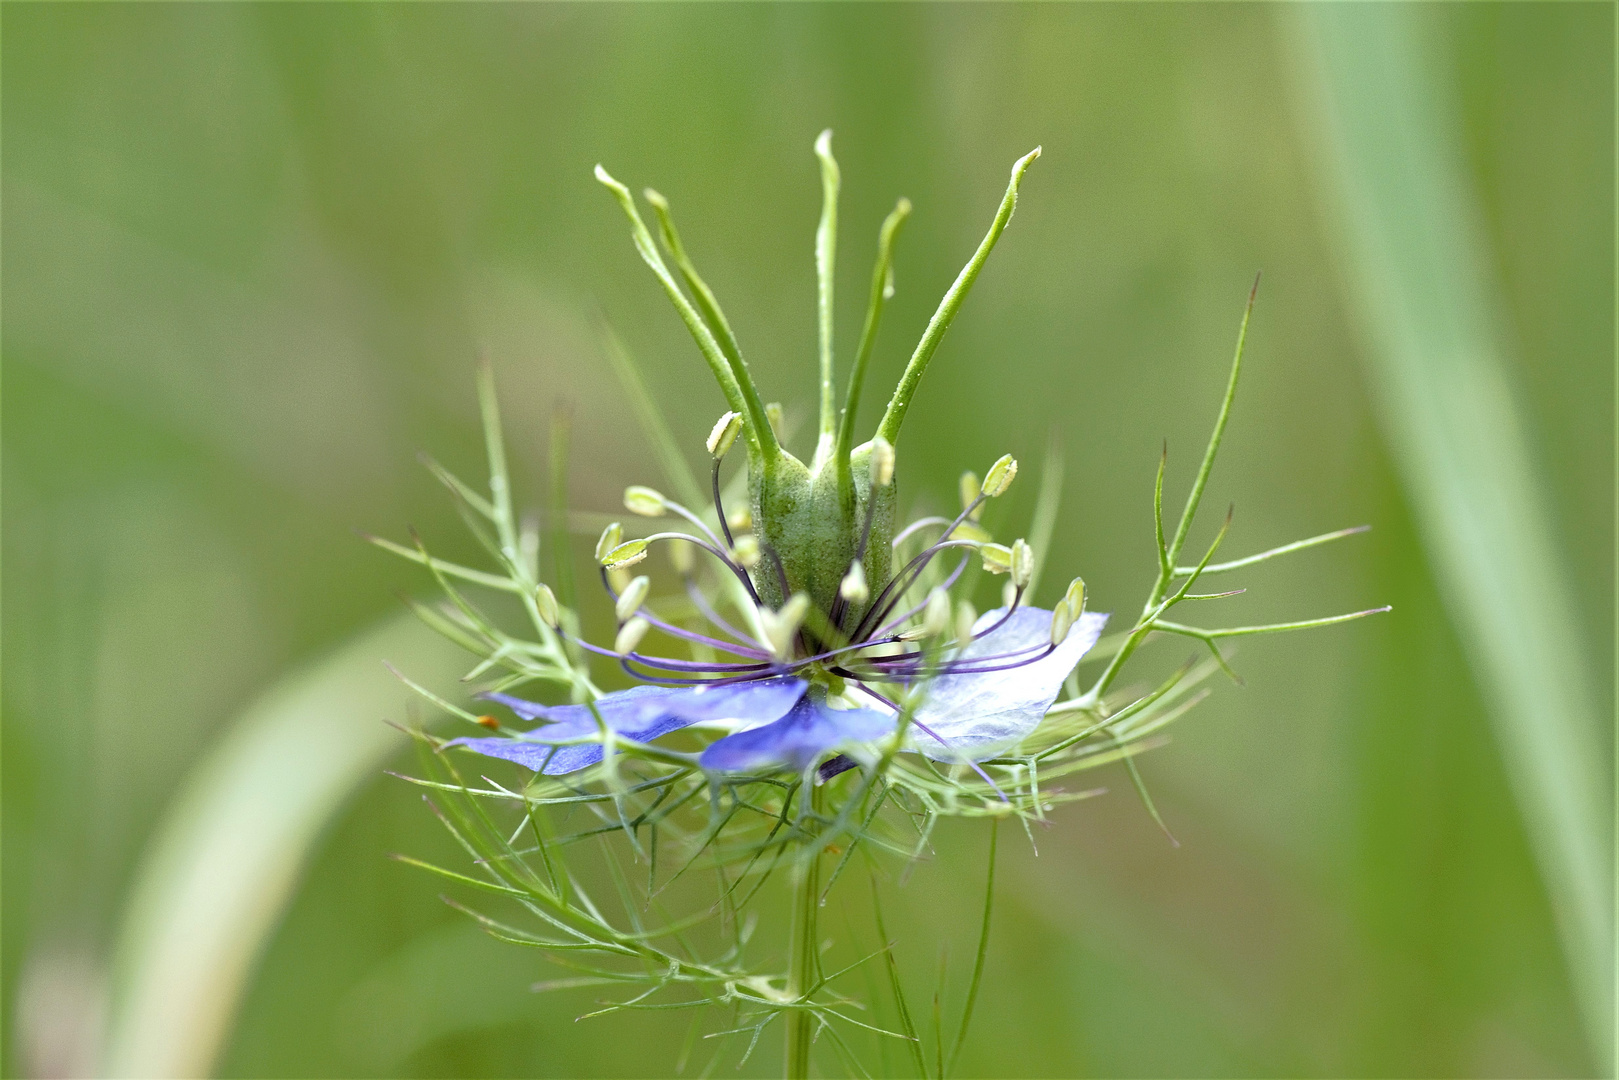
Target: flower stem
[802, 972]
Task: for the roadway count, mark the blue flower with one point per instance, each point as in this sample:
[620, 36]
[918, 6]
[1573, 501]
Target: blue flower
[978, 699]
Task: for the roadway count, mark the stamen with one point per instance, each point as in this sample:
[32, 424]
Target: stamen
[719, 508]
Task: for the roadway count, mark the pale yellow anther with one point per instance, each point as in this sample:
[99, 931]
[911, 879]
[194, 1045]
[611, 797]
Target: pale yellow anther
[633, 596]
[1062, 621]
[773, 414]
[1000, 476]
[781, 627]
[966, 617]
[724, 434]
[853, 588]
[546, 602]
[882, 462]
[971, 486]
[740, 519]
[936, 615]
[682, 557]
[1075, 597]
[625, 555]
[643, 501]
[1022, 564]
[746, 551]
[611, 537]
[997, 558]
[630, 635]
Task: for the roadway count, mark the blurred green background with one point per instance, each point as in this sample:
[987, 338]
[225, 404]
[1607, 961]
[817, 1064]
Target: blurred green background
[251, 253]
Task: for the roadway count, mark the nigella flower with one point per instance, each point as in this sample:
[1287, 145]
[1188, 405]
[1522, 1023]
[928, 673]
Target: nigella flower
[833, 658]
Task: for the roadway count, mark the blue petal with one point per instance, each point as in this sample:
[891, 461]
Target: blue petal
[980, 714]
[797, 740]
[642, 713]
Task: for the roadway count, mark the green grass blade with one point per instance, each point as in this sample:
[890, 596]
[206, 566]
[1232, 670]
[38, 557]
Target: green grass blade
[1420, 281]
[228, 855]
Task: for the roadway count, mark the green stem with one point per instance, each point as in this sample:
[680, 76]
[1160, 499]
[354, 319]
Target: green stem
[804, 964]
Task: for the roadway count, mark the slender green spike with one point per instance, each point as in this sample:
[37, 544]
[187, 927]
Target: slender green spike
[826, 252]
[1158, 511]
[913, 1043]
[1268, 628]
[675, 465]
[882, 287]
[1146, 798]
[953, 297]
[1285, 549]
[1203, 470]
[735, 383]
[500, 488]
[707, 305]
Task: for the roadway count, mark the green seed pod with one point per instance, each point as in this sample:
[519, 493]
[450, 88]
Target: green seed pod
[724, 434]
[643, 501]
[631, 599]
[1000, 476]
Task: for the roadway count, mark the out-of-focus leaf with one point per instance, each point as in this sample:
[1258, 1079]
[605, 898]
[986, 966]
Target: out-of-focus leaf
[1418, 272]
[227, 857]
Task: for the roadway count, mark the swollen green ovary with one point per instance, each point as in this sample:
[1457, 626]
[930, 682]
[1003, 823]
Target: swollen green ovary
[799, 514]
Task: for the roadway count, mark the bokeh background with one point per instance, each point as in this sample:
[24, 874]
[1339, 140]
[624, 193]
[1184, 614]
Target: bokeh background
[251, 254]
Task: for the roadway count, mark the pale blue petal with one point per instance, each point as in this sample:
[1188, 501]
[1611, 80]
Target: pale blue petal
[797, 740]
[979, 714]
[641, 713]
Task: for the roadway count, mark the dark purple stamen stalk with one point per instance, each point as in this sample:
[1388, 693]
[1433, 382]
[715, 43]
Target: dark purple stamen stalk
[719, 507]
[694, 519]
[684, 634]
[919, 523]
[947, 584]
[889, 598]
[700, 602]
[925, 557]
